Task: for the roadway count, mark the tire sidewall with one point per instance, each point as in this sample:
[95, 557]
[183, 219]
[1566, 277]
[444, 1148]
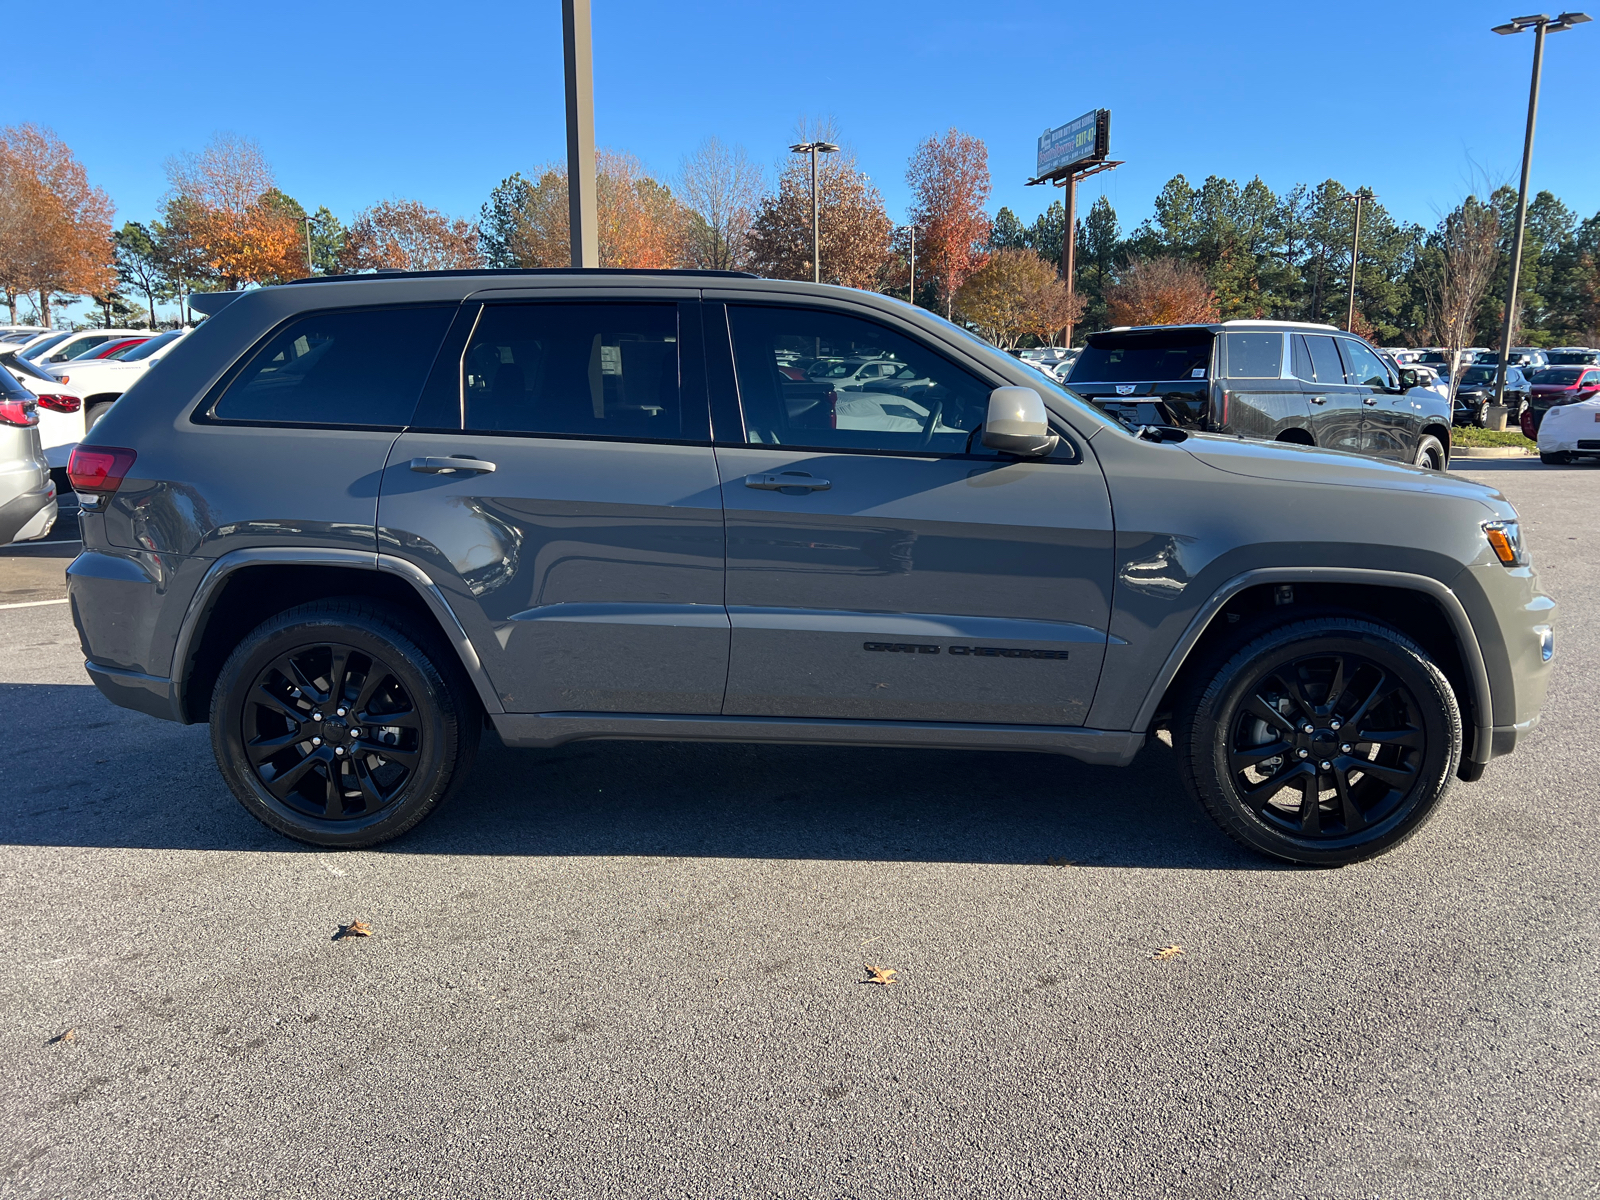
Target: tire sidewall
[411, 665]
[1440, 719]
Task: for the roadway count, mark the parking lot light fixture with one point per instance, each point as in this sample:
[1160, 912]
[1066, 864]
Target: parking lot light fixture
[815, 148]
[1541, 25]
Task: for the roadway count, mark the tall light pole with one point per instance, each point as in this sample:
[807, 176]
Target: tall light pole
[814, 148]
[1359, 195]
[1540, 25]
[583, 220]
[308, 219]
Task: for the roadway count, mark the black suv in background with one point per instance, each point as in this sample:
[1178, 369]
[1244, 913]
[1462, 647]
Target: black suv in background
[1279, 381]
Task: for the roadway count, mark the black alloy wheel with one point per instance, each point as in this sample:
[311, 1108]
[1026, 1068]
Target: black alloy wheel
[332, 724]
[1325, 742]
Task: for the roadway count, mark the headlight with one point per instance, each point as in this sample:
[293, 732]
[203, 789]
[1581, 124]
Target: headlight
[1505, 539]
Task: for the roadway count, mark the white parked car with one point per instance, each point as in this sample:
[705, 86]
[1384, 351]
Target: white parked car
[61, 417]
[1570, 431]
[101, 381]
[59, 347]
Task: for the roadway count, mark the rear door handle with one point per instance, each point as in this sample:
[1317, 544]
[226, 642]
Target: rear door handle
[1319, 399]
[1370, 400]
[438, 466]
[785, 480]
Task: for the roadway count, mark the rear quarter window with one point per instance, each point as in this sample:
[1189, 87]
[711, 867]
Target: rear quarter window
[362, 367]
[1255, 355]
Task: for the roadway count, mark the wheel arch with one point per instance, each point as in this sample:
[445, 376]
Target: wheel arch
[1419, 606]
[246, 587]
[1297, 435]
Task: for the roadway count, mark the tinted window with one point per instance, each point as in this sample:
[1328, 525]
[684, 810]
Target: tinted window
[32, 353]
[595, 370]
[1325, 364]
[920, 401]
[1563, 376]
[1479, 375]
[1143, 357]
[1255, 355]
[145, 349]
[1362, 366]
[344, 367]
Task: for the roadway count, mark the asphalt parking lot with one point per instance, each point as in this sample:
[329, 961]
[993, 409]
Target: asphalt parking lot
[636, 970]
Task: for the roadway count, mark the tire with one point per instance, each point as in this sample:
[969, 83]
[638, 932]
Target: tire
[1482, 419]
[1430, 454]
[1225, 722]
[1556, 458]
[92, 417]
[412, 751]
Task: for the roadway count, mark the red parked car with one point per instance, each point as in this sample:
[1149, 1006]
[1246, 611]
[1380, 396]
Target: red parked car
[112, 348]
[1557, 385]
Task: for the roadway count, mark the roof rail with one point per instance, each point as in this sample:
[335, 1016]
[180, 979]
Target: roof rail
[495, 272]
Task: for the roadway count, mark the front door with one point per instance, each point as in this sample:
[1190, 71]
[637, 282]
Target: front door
[1389, 428]
[1338, 409]
[559, 486]
[881, 563]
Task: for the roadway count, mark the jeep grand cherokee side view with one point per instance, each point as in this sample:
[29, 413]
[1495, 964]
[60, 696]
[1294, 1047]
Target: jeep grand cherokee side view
[348, 522]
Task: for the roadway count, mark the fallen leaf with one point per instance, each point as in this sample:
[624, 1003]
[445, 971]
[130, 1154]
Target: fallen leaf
[882, 975]
[70, 1035]
[1060, 862]
[1166, 952]
[354, 929]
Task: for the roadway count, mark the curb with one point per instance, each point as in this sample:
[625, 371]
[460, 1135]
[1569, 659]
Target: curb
[1491, 452]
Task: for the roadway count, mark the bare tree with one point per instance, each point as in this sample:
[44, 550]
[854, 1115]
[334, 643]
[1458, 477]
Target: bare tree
[1161, 291]
[722, 188]
[1468, 250]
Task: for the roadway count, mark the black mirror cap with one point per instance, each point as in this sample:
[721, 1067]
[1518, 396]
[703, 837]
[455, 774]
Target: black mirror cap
[1409, 379]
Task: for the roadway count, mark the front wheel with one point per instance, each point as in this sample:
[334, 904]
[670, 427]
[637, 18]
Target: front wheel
[1430, 453]
[333, 724]
[1325, 741]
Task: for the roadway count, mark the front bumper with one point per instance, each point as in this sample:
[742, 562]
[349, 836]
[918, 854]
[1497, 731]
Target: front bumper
[149, 694]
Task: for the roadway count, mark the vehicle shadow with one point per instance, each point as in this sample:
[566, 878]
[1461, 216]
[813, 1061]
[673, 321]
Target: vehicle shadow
[100, 776]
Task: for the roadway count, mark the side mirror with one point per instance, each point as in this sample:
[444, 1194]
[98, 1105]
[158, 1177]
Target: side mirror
[1017, 423]
[1408, 379]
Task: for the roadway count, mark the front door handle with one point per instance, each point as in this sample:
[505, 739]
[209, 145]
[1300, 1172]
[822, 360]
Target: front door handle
[1319, 399]
[456, 462]
[1370, 400]
[799, 481]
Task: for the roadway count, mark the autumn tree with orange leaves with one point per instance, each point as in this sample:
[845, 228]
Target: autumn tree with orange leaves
[949, 181]
[55, 229]
[410, 236]
[225, 211]
[1161, 291]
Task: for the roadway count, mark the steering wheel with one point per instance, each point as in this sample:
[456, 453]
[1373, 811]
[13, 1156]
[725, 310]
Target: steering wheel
[933, 423]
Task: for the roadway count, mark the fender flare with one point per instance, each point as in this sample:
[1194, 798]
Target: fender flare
[1466, 638]
[361, 560]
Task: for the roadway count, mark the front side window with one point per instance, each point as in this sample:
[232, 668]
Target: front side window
[1362, 366]
[912, 399]
[1316, 359]
[1255, 355]
[582, 370]
[344, 367]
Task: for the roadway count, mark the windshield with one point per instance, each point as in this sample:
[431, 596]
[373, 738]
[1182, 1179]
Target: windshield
[1051, 390]
[16, 362]
[146, 349]
[1564, 376]
[1478, 375]
[1144, 357]
[49, 343]
[10, 389]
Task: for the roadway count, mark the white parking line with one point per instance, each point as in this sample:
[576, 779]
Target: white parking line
[34, 603]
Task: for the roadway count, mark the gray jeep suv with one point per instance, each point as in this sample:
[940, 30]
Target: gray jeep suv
[351, 521]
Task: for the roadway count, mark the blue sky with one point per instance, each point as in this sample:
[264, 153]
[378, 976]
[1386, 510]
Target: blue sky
[359, 102]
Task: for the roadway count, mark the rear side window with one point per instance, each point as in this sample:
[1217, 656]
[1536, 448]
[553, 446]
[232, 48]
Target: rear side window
[1316, 359]
[580, 370]
[1144, 357]
[1255, 355]
[344, 367]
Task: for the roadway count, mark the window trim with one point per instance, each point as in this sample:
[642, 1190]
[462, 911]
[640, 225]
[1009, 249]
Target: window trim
[731, 405]
[204, 413]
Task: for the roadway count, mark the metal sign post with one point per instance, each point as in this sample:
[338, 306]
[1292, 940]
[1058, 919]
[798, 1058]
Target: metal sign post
[1071, 152]
[583, 220]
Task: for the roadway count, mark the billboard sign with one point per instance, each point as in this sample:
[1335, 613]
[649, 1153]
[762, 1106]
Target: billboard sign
[1089, 137]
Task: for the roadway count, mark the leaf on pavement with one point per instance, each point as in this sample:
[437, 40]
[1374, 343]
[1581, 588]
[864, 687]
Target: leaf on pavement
[354, 929]
[1167, 952]
[880, 975]
[71, 1035]
[1059, 862]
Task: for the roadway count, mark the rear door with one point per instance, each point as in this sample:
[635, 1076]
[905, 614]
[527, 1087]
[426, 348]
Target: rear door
[1262, 397]
[580, 537]
[884, 565]
[1336, 408]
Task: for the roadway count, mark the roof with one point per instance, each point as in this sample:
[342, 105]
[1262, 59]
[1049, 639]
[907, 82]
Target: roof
[1213, 326]
[492, 272]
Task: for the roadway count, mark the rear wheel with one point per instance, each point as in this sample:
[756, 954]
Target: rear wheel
[335, 726]
[1325, 741]
[1430, 453]
[92, 417]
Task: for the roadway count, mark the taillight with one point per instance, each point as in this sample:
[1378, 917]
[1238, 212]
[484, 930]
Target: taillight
[19, 412]
[62, 404]
[1527, 424]
[99, 469]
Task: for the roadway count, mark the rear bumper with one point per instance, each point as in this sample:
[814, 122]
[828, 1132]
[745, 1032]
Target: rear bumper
[22, 515]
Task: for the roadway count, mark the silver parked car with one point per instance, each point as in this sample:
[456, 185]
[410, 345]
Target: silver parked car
[27, 493]
[351, 523]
